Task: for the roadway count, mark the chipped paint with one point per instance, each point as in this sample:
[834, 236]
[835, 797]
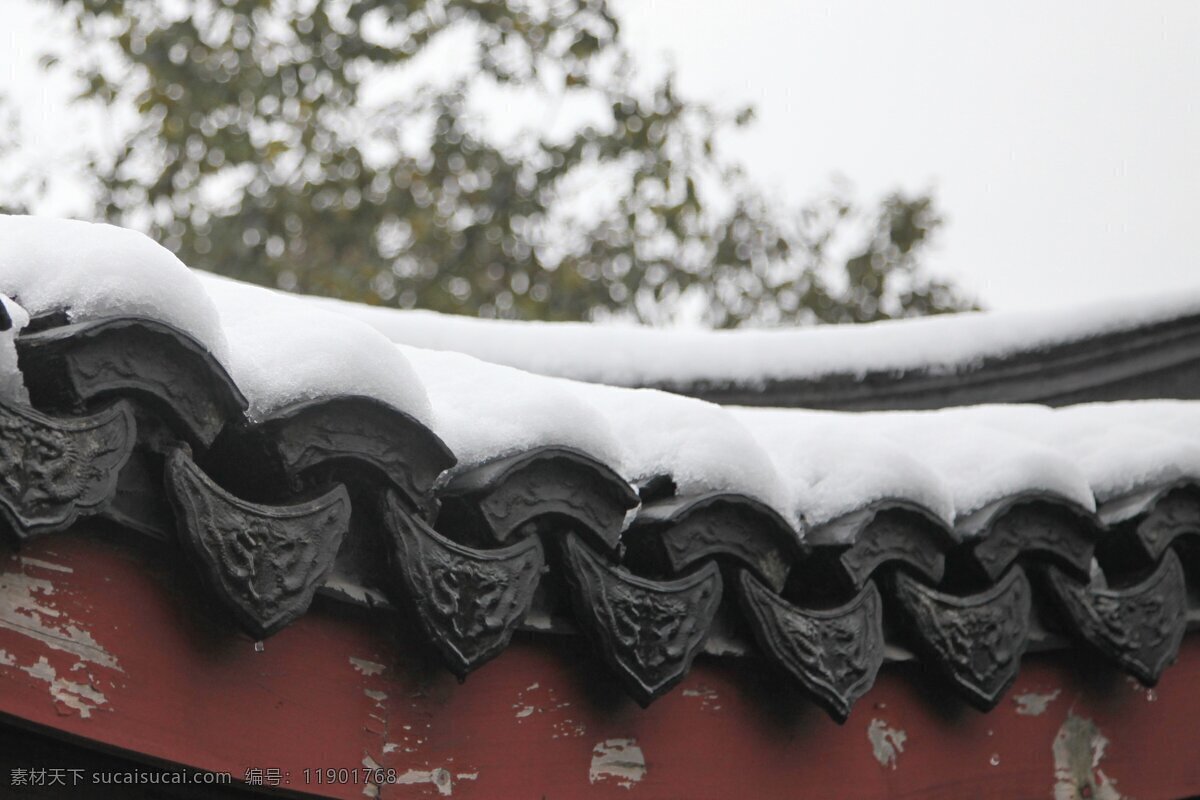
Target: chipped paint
[366, 667]
[1032, 704]
[620, 760]
[1078, 749]
[24, 609]
[708, 697]
[6, 658]
[568, 729]
[375, 695]
[84, 698]
[439, 777]
[1150, 694]
[547, 703]
[887, 743]
[37, 562]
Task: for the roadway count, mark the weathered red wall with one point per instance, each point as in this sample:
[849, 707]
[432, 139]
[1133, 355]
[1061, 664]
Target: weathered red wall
[111, 643]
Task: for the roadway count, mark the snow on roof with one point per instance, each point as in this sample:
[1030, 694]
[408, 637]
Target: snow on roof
[625, 355]
[1120, 448]
[980, 464]
[890, 502]
[486, 411]
[483, 411]
[94, 270]
[957, 461]
[833, 466]
[284, 351]
[701, 446]
[810, 466]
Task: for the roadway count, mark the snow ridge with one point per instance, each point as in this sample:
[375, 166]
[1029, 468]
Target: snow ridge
[628, 355]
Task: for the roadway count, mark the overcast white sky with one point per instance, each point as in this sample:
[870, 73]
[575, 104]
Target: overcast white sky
[1063, 139]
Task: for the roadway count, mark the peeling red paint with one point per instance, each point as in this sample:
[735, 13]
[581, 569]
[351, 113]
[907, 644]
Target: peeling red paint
[618, 760]
[350, 689]
[49, 645]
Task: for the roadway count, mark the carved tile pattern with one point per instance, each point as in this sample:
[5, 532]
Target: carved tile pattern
[1139, 627]
[405, 452]
[469, 601]
[834, 653]
[548, 488]
[977, 640]
[648, 631]
[889, 540]
[54, 470]
[730, 532]
[133, 355]
[264, 562]
[1028, 528]
[1176, 514]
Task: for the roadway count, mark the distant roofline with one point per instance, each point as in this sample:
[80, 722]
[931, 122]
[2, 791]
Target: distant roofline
[1137, 348]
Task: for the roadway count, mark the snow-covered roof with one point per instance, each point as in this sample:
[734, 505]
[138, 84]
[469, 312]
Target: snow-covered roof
[265, 401]
[99, 271]
[629, 355]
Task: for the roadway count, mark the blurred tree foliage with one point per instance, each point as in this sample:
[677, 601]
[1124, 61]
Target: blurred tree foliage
[18, 186]
[287, 142]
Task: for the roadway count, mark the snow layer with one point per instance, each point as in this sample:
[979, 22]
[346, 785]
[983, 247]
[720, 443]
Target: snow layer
[982, 464]
[94, 270]
[814, 466]
[832, 467]
[1120, 448]
[817, 466]
[12, 388]
[1086, 454]
[811, 466]
[636, 356]
[958, 461]
[483, 411]
[702, 446]
[283, 351]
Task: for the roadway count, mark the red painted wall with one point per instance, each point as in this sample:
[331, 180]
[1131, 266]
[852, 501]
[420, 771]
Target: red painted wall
[113, 643]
